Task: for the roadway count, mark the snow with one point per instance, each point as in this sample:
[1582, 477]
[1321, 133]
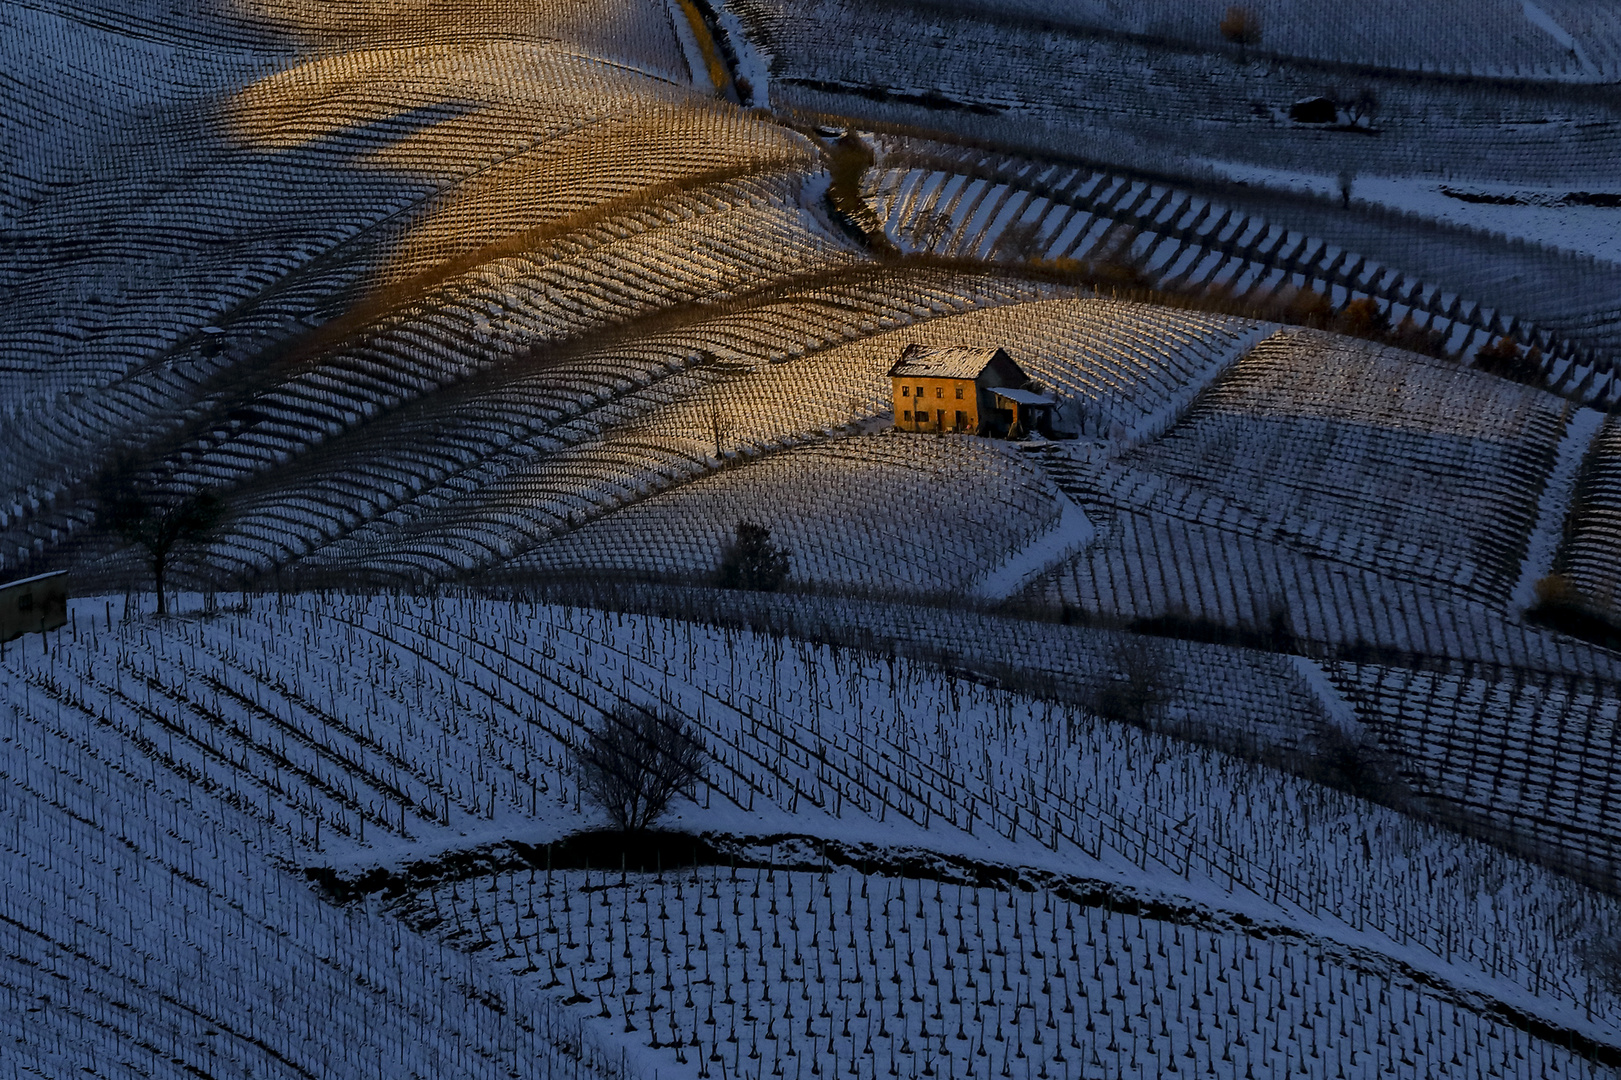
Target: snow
[1069, 534]
[1339, 711]
[691, 51]
[1543, 21]
[1541, 215]
[753, 59]
[1555, 504]
[419, 729]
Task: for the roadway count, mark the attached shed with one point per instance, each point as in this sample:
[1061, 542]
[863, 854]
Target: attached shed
[33, 605]
[955, 388]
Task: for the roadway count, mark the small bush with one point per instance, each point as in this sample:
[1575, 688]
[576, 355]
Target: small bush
[1362, 318]
[636, 761]
[1241, 26]
[1136, 687]
[1339, 760]
[1603, 958]
[752, 561]
[1506, 359]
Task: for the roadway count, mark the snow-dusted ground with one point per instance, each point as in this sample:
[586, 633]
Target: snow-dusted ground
[1540, 215]
[900, 513]
[1071, 532]
[1555, 505]
[355, 732]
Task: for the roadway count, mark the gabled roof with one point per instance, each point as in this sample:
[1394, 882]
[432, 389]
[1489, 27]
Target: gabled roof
[942, 362]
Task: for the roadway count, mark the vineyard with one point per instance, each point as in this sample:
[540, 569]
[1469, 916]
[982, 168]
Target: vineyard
[386, 392]
[263, 729]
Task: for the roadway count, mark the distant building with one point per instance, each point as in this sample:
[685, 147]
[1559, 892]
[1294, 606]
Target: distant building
[33, 605]
[979, 391]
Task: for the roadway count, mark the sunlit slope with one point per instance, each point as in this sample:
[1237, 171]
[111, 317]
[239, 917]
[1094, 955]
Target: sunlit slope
[881, 514]
[319, 188]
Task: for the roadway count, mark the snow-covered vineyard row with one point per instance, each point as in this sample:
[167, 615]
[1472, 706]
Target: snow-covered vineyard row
[323, 728]
[1152, 565]
[881, 513]
[149, 927]
[655, 438]
[980, 73]
[1501, 38]
[1589, 555]
[756, 973]
[1531, 754]
[1372, 457]
[283, 710]
[512, 455]
[510, 459]
[388, 155]
[973, 204]
[1517, 751]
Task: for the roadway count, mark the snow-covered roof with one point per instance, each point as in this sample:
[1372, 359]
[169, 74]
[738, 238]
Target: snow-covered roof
[1023, 397]
[37, 578]
[942, 362]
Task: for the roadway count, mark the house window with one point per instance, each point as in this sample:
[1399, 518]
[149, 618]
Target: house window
[959, 393]
[919, 392]
[939, 391]
[908, 414]
[906, 391]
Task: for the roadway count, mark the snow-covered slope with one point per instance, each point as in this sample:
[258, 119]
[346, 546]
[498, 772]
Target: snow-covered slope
[218, 753]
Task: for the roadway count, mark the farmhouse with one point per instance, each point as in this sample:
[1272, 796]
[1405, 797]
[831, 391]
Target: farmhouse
[953, 388]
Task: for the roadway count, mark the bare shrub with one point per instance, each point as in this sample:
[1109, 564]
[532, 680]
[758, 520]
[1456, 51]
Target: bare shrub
[1136, 686]
[636, 761]
[1603, 957]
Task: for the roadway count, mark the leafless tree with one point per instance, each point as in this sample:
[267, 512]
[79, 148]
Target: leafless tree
[1362, 106]
[1137, 685]
[931, 227]
[143, 508]
[720, 425]
[635, 761]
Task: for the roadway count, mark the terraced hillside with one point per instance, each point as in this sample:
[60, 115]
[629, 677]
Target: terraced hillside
[354, 742]
[1232, 726]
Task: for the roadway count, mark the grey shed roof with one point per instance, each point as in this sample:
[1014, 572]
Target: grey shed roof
[1023, 397]
[942, 362]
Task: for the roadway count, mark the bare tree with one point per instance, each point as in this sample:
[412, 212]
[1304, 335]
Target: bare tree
[635, 761]
[931, 227]
[1362, 106]
[142, 508]
[1138, 684]
[720, 425]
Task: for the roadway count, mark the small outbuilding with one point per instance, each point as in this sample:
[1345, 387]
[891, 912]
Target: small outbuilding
[33, 605]
[940, 388]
